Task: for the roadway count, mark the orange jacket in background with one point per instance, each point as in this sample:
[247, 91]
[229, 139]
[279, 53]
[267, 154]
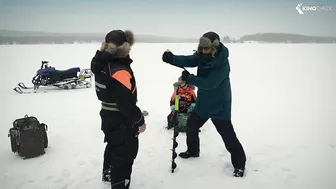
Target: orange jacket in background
[186, 95]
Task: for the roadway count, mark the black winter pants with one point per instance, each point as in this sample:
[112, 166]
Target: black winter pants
[121, 148]
[226, 131]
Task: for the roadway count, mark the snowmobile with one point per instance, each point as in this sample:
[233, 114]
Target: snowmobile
[64, 79]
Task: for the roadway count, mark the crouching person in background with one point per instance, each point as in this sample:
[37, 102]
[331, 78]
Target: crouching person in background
[187, 99]
[121, 118]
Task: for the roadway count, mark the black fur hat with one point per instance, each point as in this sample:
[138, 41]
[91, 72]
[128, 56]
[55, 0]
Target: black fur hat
[118, 43]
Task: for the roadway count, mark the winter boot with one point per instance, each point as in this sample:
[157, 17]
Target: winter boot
[187, 154]
[106, 176]
[238, 173]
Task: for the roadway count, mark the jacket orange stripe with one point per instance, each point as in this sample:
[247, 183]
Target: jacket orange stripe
[124, 77]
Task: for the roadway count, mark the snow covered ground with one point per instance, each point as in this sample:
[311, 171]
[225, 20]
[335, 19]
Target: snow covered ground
[284, 111]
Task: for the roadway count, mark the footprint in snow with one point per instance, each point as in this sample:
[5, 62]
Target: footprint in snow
[286, 169]
[276, 147]
[48, 178]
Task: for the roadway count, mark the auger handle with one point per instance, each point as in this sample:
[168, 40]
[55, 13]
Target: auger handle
[177, 65]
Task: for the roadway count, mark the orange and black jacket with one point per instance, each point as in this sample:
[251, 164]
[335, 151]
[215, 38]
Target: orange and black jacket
[116, 85]
[186, 95]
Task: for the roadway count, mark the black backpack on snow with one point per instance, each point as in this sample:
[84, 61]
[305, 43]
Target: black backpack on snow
[28, 137]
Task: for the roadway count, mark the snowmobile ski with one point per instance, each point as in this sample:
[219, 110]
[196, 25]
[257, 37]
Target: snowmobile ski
[23, 86]
[19, 90]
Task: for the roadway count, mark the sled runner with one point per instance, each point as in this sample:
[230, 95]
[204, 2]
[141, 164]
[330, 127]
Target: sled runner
[48, 76]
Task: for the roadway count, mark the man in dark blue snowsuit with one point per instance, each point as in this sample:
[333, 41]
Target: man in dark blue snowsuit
[214, 97]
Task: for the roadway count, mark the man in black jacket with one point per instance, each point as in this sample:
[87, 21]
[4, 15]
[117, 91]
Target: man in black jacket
[121, 118]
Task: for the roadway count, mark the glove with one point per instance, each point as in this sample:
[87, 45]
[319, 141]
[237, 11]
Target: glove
[168, 57]
[185, 75]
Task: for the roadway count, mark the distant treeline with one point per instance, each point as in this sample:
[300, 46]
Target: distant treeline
[280, 38]
[47, 39]
[19, 37]
[79, 39]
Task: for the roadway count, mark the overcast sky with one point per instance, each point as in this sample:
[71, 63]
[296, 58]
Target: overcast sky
[177, 18]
